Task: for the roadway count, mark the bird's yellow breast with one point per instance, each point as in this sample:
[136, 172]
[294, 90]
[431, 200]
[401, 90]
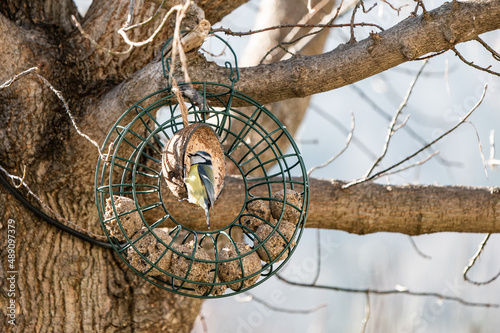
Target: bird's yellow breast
[196, 190]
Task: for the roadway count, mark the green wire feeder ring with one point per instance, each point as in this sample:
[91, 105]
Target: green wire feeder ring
[153, 232]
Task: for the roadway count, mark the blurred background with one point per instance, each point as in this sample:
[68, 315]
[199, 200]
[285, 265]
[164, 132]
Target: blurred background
[443, 94]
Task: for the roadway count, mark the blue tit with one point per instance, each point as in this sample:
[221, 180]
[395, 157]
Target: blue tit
[200, 181]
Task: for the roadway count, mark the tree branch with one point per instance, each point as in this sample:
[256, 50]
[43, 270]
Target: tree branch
[369, 207]
[440, 29]
[437, 30]
[407, 209]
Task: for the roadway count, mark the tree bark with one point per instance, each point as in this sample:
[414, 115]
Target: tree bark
[61, 283]
[369, 207]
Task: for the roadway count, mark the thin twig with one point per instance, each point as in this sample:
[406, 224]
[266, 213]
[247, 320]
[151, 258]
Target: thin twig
[286, 310]
[392, 129]
[398, 9]
[203, 323]
[33, 70]
[471, 63]
[310, 10]
[431, 55]
[386, 116]
[415, 247]
[318, 256]
[127, 27]
[412, 165]
[17, 76]
[383, 172]
[70, 115]
[420, 3]
[492, 162]
[316, 108]
[353, 38]
[306, 18]
[333, 158]
[213, 55]
[494, 53]
[398, 290]
[284, 26]
[473, 261]
[483, 160]
[291, 37]
[364, 322]
[95, 43]
[352, 24]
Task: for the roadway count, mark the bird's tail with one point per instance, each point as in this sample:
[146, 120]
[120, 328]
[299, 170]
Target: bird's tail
[208, 218]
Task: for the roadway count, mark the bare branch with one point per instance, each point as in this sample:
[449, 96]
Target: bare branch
[473, 261]
[303, 76]
[285, 26]
[333, 158]
[33, 70]
[364, 322]
[494, 53]
[415, 247]
[285, 310]
[397, 290]
[397, 9]
[203, 322]
[316, 108]
[352, 24]
[492, 162]
[122, 32]
[483, 159]
[385, 115]
[293, 37]
[413, 164]
[472, 64]
[392, 128]
[383, 172]
[17, 76]
[431, 55]
[420, 3]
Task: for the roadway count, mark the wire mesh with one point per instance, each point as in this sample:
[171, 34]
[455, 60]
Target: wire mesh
[162, 246]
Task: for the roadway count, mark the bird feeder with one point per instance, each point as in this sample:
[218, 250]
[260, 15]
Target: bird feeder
[139, 183]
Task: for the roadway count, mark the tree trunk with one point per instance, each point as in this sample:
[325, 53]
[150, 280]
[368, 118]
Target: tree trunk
[60, 283]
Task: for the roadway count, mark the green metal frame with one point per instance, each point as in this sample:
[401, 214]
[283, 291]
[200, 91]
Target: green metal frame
[133, 169]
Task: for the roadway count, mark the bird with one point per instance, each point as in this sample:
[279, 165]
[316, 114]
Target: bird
[200, 181]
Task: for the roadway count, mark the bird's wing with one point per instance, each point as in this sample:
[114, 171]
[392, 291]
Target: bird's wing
[207, 177]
